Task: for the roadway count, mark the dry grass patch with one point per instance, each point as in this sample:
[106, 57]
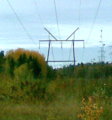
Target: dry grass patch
[57, 110]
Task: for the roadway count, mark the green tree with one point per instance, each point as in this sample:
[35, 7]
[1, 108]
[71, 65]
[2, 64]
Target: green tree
[21, 60]
[35, 66]
[11, 66]
[2, 60]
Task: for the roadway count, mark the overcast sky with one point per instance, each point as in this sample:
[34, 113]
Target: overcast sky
[22, 22]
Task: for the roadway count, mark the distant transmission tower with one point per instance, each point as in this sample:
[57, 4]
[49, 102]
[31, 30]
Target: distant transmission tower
[102, 56]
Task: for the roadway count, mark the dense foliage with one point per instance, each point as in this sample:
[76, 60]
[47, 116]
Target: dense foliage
[41, 92]
[88, 70]
[22, 63]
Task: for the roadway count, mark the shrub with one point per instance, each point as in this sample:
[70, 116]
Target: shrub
[35, 62]
[90, 110]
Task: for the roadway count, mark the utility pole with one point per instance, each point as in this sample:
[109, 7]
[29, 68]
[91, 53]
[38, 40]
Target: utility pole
[56, 40]
[102, 56]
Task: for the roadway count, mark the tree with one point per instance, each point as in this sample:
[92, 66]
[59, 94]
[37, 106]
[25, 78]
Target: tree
[35, 66]
[21, 60]
[2, 60]
[11, 66]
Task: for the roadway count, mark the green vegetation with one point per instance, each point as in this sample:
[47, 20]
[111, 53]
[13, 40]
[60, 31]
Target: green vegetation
[31, 90]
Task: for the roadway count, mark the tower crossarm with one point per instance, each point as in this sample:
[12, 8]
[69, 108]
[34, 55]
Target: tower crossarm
[72, 34]
[51, 34]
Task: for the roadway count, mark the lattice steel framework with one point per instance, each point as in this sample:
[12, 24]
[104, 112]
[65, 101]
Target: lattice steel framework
[67, 40]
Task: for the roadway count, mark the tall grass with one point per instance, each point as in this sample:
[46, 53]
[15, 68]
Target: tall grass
[53, 95]
[56, 99]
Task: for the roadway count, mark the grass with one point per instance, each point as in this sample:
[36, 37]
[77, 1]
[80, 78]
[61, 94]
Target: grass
[27, 95]
[61, 101]
[57, 110]
[61, 108]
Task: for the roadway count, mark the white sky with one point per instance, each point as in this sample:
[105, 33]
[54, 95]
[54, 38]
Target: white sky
[34, 15]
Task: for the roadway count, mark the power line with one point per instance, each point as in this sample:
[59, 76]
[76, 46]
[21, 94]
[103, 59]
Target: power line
[70, 52]
[80, 11]
[79, 26]
[94, 20]
[38, 12]
[52, 54]
[20, 22]
[58, 24]
[57, 18]
[83, 55]
[39, 15]
[92, 26]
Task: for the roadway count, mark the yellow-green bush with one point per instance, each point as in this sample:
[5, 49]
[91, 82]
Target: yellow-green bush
[13, 58]
[22, 73]
[90, 110]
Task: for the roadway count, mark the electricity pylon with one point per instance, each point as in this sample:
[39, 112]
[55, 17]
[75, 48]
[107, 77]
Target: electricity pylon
[56, 40]
[102, 56]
